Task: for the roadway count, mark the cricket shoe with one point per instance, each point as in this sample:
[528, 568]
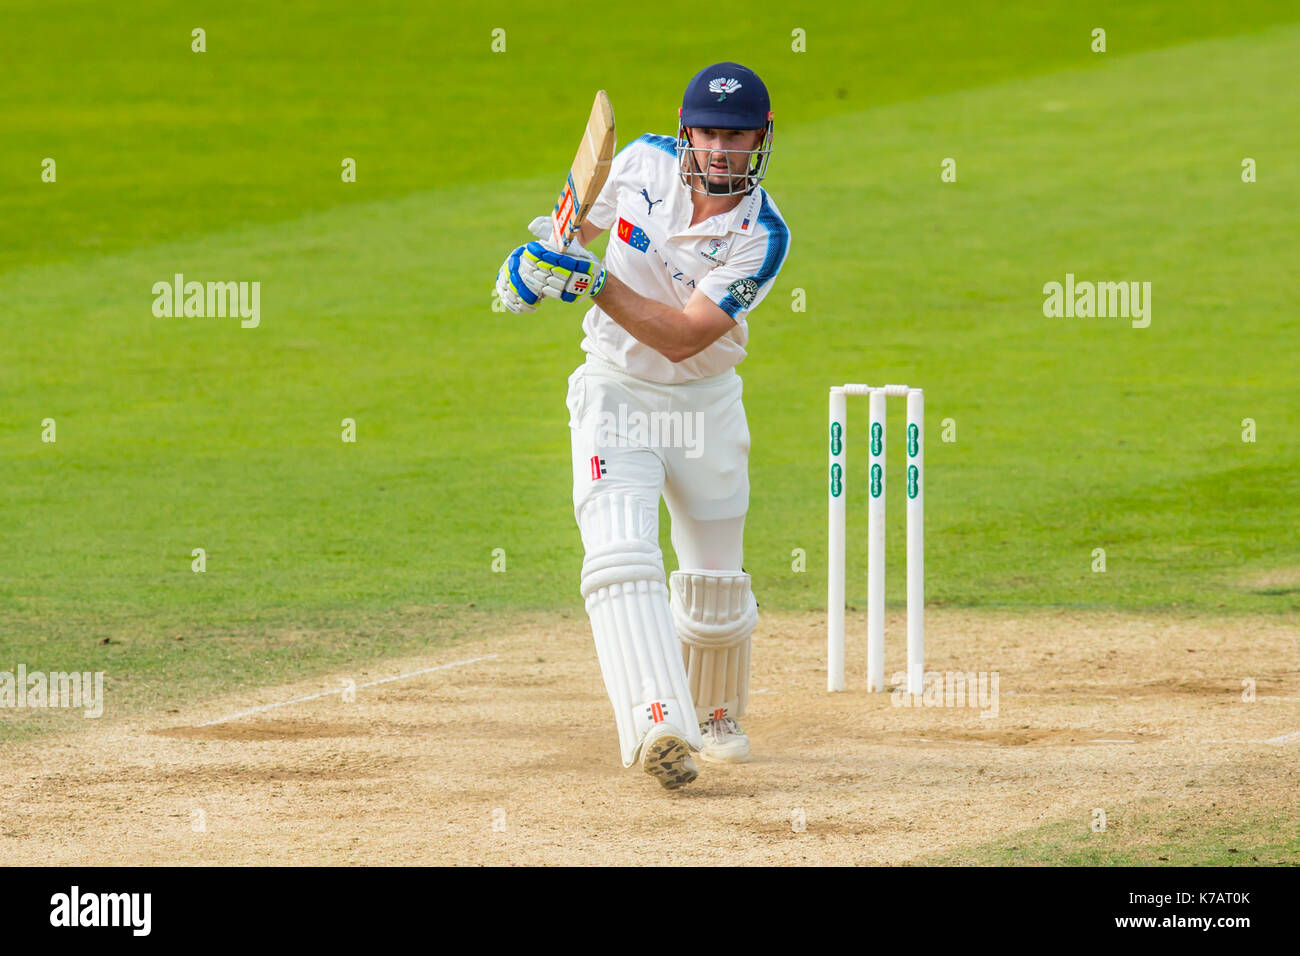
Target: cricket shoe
[724, 741]
[667, 758]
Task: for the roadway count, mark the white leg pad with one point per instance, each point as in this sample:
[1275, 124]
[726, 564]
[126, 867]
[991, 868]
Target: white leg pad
[715, 614]
[631, 622]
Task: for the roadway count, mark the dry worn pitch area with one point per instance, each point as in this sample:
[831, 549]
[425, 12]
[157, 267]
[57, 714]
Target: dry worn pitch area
[512, 759]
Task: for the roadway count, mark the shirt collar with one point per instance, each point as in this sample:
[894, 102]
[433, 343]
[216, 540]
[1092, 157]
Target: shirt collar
[744, 218]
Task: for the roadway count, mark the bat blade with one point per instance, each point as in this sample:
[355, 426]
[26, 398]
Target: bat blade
[588, 173]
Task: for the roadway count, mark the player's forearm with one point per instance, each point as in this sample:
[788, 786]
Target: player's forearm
[668, 331]
[588, 233]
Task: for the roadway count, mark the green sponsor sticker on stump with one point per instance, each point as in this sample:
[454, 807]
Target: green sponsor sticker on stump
[875, 481]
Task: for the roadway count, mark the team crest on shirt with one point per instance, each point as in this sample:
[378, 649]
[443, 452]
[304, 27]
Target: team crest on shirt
[744, 291]
[715, 251]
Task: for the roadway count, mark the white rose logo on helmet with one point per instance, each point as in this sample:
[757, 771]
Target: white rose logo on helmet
[723, 85]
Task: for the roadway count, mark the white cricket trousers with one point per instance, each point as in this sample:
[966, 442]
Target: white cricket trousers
[688, 443]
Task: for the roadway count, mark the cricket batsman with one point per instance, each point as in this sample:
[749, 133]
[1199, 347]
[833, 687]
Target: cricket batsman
[655, 410]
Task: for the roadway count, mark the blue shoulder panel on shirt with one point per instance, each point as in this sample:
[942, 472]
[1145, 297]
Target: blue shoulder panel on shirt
[778, 242]
[665, 143]
[730, 305]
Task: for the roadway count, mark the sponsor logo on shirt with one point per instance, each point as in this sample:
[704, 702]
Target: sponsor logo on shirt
[744, 291]
[677, 274]
[634, 236]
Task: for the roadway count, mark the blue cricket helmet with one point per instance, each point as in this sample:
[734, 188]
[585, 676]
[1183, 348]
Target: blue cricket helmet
[724, 96]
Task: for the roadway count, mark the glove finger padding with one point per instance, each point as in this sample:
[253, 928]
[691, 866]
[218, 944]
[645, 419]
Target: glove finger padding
[562, 276]
[513, 288]
[511, 298]
[524, 277]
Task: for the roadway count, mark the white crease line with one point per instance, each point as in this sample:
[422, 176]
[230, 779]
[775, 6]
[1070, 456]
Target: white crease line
[327, 693]
[1285, 738]
[1262, 698]
[1272, 741]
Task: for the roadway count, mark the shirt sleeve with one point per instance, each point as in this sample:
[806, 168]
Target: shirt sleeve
[739, 285]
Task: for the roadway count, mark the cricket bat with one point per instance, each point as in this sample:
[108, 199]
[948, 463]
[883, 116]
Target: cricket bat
[588, 173]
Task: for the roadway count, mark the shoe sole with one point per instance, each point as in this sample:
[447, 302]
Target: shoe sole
[732, 756]
[668, 760]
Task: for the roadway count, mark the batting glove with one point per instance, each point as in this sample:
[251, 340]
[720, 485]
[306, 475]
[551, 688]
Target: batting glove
[567, 276]
[512, 288]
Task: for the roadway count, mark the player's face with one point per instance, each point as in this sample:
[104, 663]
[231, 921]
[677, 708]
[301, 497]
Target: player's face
[726, 170]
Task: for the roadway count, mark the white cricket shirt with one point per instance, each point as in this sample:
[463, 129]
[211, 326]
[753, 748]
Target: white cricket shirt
[653, 248]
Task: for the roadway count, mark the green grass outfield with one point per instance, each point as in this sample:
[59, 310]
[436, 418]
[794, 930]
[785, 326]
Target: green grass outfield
[174, 434]
[1200, 836]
